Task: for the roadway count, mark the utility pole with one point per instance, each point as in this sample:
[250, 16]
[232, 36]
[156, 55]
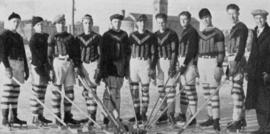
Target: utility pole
[72, 19]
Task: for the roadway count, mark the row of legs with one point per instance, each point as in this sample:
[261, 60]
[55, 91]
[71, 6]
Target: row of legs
[188, 99]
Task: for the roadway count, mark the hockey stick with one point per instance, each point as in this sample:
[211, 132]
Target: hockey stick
[104, 110]
[165, 109]
[201, 108]
[136, 119]
[81, 111]
[162, 101]
[45, 107]
[115, 112]
[156, 103]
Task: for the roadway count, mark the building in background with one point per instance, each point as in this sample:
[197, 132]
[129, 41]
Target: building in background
[159, 6]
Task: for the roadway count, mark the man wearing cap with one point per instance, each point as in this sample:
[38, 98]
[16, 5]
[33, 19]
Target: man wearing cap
[65, 63]
[188, 50]
[258, 89]
[39, 69]
[14, 65]
[90, 42]
[114, 63]
[143, 45]
[166, 67]
[236, 62]
[211, 54]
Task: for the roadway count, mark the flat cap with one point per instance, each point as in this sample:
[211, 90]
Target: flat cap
[14, 15]
[259, 12]
[204, 12]
[36, 19]
[142, 17]
[116, 16]
[59, 18]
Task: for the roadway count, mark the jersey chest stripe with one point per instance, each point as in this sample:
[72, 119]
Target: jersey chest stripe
[117, 38]
[142, 40]
[206, 37]
[161, 41]
[88, 41]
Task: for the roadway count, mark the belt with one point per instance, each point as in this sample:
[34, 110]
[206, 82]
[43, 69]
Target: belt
[231, 55]
[140, 58]
[65, 59]
[18, 58]
[207, 57]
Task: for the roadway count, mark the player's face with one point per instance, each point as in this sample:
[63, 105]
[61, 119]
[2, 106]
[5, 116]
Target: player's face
[39, 27]
[161, 23]
[87, 25]
[233, 15]
[60, 26]
[14, 23]
[116, 24]
[260, 20]
[184, 20]
[207, 21]
[141, 25]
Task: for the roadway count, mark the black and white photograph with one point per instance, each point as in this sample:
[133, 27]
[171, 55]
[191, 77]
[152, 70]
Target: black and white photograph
[134, 67]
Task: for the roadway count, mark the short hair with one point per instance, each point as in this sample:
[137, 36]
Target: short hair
[88, 16]
[142, 17]
[204, 12]
[162, 16]
[185, 13]
[234, 7]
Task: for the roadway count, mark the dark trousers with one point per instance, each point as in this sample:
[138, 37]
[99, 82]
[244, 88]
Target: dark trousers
[263, 119]
[263, 109]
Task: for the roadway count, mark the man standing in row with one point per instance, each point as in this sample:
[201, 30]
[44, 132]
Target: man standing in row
[143, 45]
[188, 50]
[258, 90]
[236, 61]
[211, 56]
[90, 42]
[115, 55]
[64, 59]
[14, 66]
[39, 70]
[167, 51]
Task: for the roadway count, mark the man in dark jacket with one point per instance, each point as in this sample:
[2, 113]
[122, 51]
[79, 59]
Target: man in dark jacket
[258, 90]
[114, 63]
[14, 66]
[39, 69]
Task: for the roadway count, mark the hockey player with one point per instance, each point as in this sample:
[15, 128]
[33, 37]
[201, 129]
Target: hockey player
[236, 60]
[143, 45]
[166, 66]
[188, 50]
[64, 59]
[211, 55]
[114, 63]
[14, 64]
[90, 42]
[39, 69]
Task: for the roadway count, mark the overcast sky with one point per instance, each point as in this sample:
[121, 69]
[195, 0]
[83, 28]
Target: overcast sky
[102, 9]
